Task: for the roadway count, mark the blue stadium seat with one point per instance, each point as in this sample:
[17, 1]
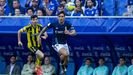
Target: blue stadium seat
[2, 65]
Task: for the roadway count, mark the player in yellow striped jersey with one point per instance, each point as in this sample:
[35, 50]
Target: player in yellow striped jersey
[32, 31]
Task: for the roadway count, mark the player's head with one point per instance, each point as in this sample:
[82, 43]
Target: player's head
[61, 16]
[30, 58]
[122, 60]
[89, 3]
[47, 60]
[34, 19]
[101, 61]
[13, 59]
[88, 61]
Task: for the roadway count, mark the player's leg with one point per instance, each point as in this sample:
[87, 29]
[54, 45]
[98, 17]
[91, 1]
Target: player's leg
[63, 51]
[39, 54]
[64, 58]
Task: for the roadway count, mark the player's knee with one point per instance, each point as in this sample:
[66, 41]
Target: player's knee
[65, 54]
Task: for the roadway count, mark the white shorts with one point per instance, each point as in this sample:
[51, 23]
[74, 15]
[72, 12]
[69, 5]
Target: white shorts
[57, 47]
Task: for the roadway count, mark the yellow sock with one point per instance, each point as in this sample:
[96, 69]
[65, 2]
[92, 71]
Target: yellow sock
[38, 61]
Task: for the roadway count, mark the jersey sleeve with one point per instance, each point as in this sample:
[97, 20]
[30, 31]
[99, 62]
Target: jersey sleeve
[70, 26]
[24, 29]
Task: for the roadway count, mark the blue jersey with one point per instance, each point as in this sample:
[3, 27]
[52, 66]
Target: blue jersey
[59, 37]
[91, 12]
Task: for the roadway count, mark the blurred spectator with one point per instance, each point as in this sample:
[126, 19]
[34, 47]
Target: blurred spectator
[121, 68]
[13, 68]
[86, 69]
[4, 5]
[60, 8]
[2, 11]
[28, 68]
[48, 68]
[129, 11]
[64, 2]
[130, 68]
[101, 69]
[16, 5]
[29, 12]
[90, 9]
[78, 11]
[17, 12]
[49, 7]
[41, 12]
[67, 12]
[34, 5]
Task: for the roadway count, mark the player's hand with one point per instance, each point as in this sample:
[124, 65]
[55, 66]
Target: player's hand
[20, 43]
[44, 37]
[66, 31]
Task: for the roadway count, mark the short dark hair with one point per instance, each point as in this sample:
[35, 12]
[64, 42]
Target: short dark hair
[61, 5]
[88, 59]
[43, 11]
[33, 16]
[17, 1]
[13, 56]
[122, 57]
[30, 9]
[62, 12]
[102, 58]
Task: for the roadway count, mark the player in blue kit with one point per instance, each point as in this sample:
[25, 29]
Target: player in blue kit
[61, 29]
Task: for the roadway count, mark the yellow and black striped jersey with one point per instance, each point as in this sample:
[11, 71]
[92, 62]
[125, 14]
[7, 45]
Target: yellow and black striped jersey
[32, 33]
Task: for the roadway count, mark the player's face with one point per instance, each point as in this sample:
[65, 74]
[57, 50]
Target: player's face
[101, 62]
[2, 2]
[13, 60]
[89, 3]
[61, 18]
[87, 62]
[78, 2]
[121, 61]
[30, 12]
[29, 58]
[47, 61]
[34, 21]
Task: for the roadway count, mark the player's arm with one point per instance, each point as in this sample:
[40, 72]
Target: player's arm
[45, 35]
[43, 31]
[71, 32]
[19, 36]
